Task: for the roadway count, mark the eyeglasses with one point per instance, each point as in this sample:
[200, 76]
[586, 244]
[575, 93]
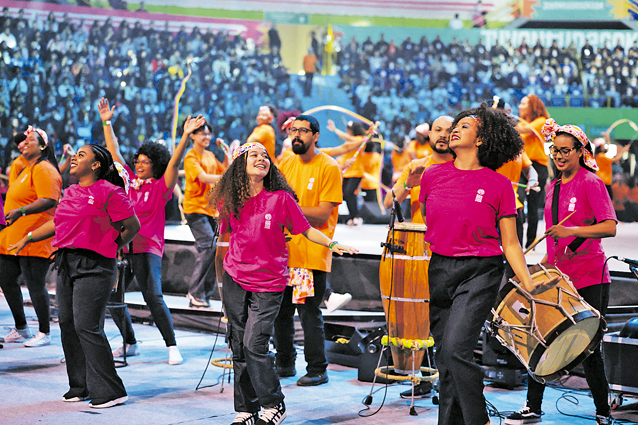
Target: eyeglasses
[553, 150]
[301, 130]
[142, 162]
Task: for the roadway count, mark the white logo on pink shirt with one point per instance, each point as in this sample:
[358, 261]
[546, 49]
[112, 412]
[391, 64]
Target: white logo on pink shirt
[91, 199]
[572, 204]
[479, 195]
[146, 196]
[310, 183]
[268, 217]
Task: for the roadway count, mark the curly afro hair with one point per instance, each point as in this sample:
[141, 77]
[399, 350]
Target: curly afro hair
[233, 189]
[158, 154]
[501, 141]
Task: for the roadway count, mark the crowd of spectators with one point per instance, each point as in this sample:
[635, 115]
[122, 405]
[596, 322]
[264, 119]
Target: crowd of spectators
[412, 82]
[52, 73]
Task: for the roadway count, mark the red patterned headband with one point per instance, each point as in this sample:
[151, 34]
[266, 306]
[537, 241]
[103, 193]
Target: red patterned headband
[551, 129]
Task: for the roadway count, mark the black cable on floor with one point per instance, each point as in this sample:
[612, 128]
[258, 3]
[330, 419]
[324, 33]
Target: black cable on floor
[197, 387]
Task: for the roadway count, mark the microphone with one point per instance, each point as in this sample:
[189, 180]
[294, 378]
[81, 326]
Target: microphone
[397, 208]
[626, 260]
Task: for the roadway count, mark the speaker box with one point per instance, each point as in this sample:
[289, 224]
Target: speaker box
[369, 360]
[371, 214]
[343, 344]
[621, 368]
[495, 354]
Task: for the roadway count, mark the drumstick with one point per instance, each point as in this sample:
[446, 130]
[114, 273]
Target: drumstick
[545, 235]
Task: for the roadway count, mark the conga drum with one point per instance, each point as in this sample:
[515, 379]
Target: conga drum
[551, 332]
[405, 292]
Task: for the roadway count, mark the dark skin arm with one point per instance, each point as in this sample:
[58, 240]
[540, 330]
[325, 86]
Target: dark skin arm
[35, 207]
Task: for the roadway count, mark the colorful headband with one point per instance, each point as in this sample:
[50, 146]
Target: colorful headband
[551, 128]
[41, 132]
[240, 150]
[123, 174]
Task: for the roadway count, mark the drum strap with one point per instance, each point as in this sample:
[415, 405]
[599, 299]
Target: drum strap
[576, 243]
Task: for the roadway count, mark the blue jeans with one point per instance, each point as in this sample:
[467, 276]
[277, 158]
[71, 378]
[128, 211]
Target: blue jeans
[312, 324]
[251, 318]
[84, 284]
[147, 269]
[34, 270]
[203, 282]
[462, 292]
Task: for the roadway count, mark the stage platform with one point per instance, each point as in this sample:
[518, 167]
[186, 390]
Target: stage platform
[33, 380]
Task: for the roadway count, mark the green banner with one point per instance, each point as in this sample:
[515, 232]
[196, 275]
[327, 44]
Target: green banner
[573, 10]
[287, 18]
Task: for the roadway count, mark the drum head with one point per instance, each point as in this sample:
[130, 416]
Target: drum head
[568, 346]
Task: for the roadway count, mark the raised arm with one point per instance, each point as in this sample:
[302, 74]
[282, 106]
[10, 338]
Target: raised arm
[172, 169]
[112, 145]
[342, 134]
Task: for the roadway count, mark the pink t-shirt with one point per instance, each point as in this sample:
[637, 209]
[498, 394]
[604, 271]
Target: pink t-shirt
[85, 216]
[463, 209]
[3, 221]
[257, 257]
[586, 194]
[149, 201]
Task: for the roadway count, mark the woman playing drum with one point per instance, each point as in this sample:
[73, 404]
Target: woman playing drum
[468, 204]
[576, 249]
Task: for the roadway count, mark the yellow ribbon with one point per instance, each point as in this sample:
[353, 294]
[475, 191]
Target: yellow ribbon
[178, 96]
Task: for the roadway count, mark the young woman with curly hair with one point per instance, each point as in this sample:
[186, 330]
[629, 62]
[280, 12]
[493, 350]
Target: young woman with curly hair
[469, 207]
[152, 185]
[533, 113]
[258, 208]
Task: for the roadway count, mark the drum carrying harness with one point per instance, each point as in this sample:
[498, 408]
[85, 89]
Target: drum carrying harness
[576, 243]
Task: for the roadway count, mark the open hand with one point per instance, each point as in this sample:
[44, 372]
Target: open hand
[106, 113]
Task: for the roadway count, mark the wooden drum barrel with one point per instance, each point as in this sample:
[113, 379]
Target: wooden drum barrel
[405, 292]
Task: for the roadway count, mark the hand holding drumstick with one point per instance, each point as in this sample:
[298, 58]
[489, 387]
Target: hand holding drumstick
[556, 231]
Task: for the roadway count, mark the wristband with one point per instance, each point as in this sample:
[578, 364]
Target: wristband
[104, 123]
[23, 211]
[332, 244]
[405, 186]
[30, 237]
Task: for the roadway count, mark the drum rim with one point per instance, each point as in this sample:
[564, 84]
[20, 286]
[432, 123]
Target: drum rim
[509, 286]
[555, 333]
[410, 227]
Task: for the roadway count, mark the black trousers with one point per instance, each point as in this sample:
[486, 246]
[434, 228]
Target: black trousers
[349, 186]
[462, 292]
[598, 297]
[535, 202]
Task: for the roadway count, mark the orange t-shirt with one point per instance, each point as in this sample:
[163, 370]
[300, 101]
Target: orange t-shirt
[419, 150]
[604, 168]
[41, 180]
[196, 192]
[309, 62]
[356, 169]
[512, 170]
[534, 146]
[400, 160]
[371, 162]
[266, 136]
[316, 181]
[415, 205]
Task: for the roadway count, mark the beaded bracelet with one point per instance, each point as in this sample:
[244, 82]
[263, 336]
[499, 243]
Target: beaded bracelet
[332, 244]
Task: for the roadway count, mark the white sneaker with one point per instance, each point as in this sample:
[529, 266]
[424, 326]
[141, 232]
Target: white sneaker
[131, 350]
[336, 301]
[39, 340]
[17, 335]
[173, 355]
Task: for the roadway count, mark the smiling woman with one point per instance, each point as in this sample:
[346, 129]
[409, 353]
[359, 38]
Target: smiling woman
[35, 185]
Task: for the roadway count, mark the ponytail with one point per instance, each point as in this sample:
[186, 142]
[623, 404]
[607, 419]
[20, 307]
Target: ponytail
[107, 170]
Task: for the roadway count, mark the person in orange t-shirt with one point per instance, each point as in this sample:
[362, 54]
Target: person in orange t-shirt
[30, 202]
[420, 146]
[202, 169]
[532, 111]
[513, 170]
[309, 67]
[371, 162]
[400, 159]
[353, 175]
[264, 133]
[316, 178]
[604, 162]
[410, 179]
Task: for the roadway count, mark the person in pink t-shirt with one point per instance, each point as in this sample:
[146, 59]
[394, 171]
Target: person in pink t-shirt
[469, 207]
[93, 220]
[156, 177]
[258, 208]
[575, 246]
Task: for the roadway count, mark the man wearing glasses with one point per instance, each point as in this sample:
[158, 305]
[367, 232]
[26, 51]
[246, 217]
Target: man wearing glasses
[316, 178]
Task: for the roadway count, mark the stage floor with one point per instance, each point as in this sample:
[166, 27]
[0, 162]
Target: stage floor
[33, 380]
